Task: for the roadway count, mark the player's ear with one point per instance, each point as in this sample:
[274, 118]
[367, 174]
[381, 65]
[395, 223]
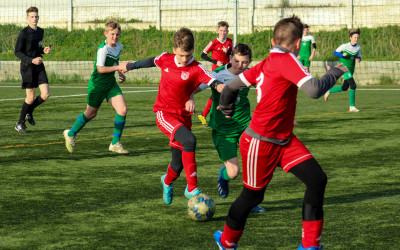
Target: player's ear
[273, 42]
[173, 49]
[105, 33]
[297, 43]
[230, 57]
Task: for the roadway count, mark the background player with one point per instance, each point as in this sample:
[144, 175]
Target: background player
[306, 55]
[268, 141]
[221, 48]
[102, 85]
[29, 49]
[348, 53]
[180, 77]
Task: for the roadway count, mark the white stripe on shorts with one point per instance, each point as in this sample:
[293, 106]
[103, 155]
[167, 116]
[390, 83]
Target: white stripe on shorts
[290, 163]
[252, 163]
[163, 123]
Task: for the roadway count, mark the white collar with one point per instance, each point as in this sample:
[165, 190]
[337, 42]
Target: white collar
[179, 65]
[223, 40]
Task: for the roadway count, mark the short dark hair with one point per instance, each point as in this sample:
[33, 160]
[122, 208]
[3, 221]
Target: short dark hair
[32, 9]
[223, 24]
[242, 49]
[352, 32]
[184, 39]
[305, 26]
[287, 30]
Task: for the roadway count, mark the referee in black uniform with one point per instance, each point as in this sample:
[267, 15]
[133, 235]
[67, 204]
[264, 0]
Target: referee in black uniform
[29, 49]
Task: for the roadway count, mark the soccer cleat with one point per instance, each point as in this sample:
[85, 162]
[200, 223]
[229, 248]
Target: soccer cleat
[168, 191]
[353, 109]
[217, 238]
[223, 187]
[20, 127]
[117, 148]
[258, 209]
[310, 248]
[194, 192]
[30, 119]
[326, 95]
[203, 120]
[69, 141]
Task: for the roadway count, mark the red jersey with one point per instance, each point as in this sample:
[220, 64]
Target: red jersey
[178, 83]
[216, 46]
[277, 78]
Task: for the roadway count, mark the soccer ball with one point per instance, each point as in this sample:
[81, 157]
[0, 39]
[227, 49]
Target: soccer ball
[201, 207]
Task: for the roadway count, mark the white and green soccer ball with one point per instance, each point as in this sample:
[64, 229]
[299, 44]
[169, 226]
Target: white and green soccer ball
[201, 207]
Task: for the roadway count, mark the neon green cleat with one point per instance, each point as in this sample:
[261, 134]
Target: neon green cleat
[69, 141]
[203, 120]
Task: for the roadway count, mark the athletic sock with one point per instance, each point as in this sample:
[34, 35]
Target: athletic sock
[78, 125]
[171, 176]
[24, 111]
[352, 97]
[225, 175]
[336, 89]
[207, 108]
[119, 125]
[190, 167]
[35, 103]
[312, 233]
[230, 238]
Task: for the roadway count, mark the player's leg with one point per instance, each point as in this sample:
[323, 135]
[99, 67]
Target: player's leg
[44, 95]
[337, 89]
[205, 111]
[118, 102]
[173, 172]
[352, 95]
[30, 97]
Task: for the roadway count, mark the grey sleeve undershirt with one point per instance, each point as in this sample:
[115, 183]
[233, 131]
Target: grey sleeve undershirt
[315, 88]
[229, 96]
[145, 63]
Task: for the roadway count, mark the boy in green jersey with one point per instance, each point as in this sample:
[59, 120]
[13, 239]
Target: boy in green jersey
[306, 55]
[348, 53]
[102, 85]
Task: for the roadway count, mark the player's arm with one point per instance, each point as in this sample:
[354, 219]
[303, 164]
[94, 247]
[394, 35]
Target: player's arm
[359, 56]
[145, 63]
[18, 52]
[229, 95]
[338, 52]
[205, 57]
[313, 50]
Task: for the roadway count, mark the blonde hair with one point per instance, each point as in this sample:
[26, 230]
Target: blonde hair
[112, 25]
[223, 24]
[32, 9]
[352, 32]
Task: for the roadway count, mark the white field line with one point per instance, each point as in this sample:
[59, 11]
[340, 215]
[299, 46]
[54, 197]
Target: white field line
[62, 96]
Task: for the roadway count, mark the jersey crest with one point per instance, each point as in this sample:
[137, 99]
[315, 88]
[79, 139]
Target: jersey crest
[185, 75]
[40, 43]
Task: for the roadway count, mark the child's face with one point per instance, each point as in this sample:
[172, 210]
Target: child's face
[305, 31]
[33, 18]
[183, 57]
[222, 32]
[240, 63]
[354, 39]
[112, 36]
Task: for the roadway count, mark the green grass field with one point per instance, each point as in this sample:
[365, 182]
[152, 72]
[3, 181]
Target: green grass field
[94, 199]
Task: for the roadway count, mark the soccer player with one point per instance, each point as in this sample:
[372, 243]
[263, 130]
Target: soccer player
[102, 85]
[269, 141]
[306, 55]
[348, 53]
[29, 49]
[221, 48]
[180, 77]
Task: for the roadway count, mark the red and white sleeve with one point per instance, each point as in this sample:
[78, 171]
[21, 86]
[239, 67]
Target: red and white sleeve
[294, 71]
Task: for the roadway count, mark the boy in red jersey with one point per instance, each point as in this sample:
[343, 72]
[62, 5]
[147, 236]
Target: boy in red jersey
[180, 77]
[221, 49]
[268, 141]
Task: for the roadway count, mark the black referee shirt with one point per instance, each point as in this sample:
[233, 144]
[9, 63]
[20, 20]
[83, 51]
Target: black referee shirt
[29, 44]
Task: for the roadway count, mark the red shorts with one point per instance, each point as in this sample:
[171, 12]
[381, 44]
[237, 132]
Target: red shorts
[168, 123]
[260, 158]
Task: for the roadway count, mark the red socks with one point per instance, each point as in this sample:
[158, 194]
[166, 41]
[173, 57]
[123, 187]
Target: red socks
[312, 233]
[230, 238]
[190, 167]
[171, 176]
[207, 108]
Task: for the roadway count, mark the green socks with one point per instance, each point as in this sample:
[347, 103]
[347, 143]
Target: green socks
[119, 125]
[352, 97]
[78, 125]
[225, 175]
[336, 89]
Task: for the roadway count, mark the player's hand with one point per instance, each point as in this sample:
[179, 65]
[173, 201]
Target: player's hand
[226, 115]
[224, 50]
[328, 67]
[47, 50]
[220, 87]
[37, 61]
[298, 57]
[344, 69]
[310, 58]
[219, 64]
[344, 54]
[122, 67]
[190, 106]
[358, 60]
[122, 77]
[295, 123]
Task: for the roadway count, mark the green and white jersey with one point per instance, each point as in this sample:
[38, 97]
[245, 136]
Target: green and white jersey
[352, 53]
[106, 56]
[305, 49]
[241, 119]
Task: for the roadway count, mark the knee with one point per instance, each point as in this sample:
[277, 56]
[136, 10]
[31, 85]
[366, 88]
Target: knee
[233, 171]
[319, 182]
[353, 86]
[45, 96]
[123, 111]
[345, 87]
[29, 99]
[190, 141]
[91, 115]
[251, 197]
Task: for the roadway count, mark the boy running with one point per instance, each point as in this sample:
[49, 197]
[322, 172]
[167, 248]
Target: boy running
[29, 49]
[348, 53]
[268, 141]
[180, 77]
[102, 85]
[221, 48]
[305, 55]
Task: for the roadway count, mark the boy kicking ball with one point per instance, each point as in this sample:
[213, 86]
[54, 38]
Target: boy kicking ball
[269, 141]
[103, 85]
